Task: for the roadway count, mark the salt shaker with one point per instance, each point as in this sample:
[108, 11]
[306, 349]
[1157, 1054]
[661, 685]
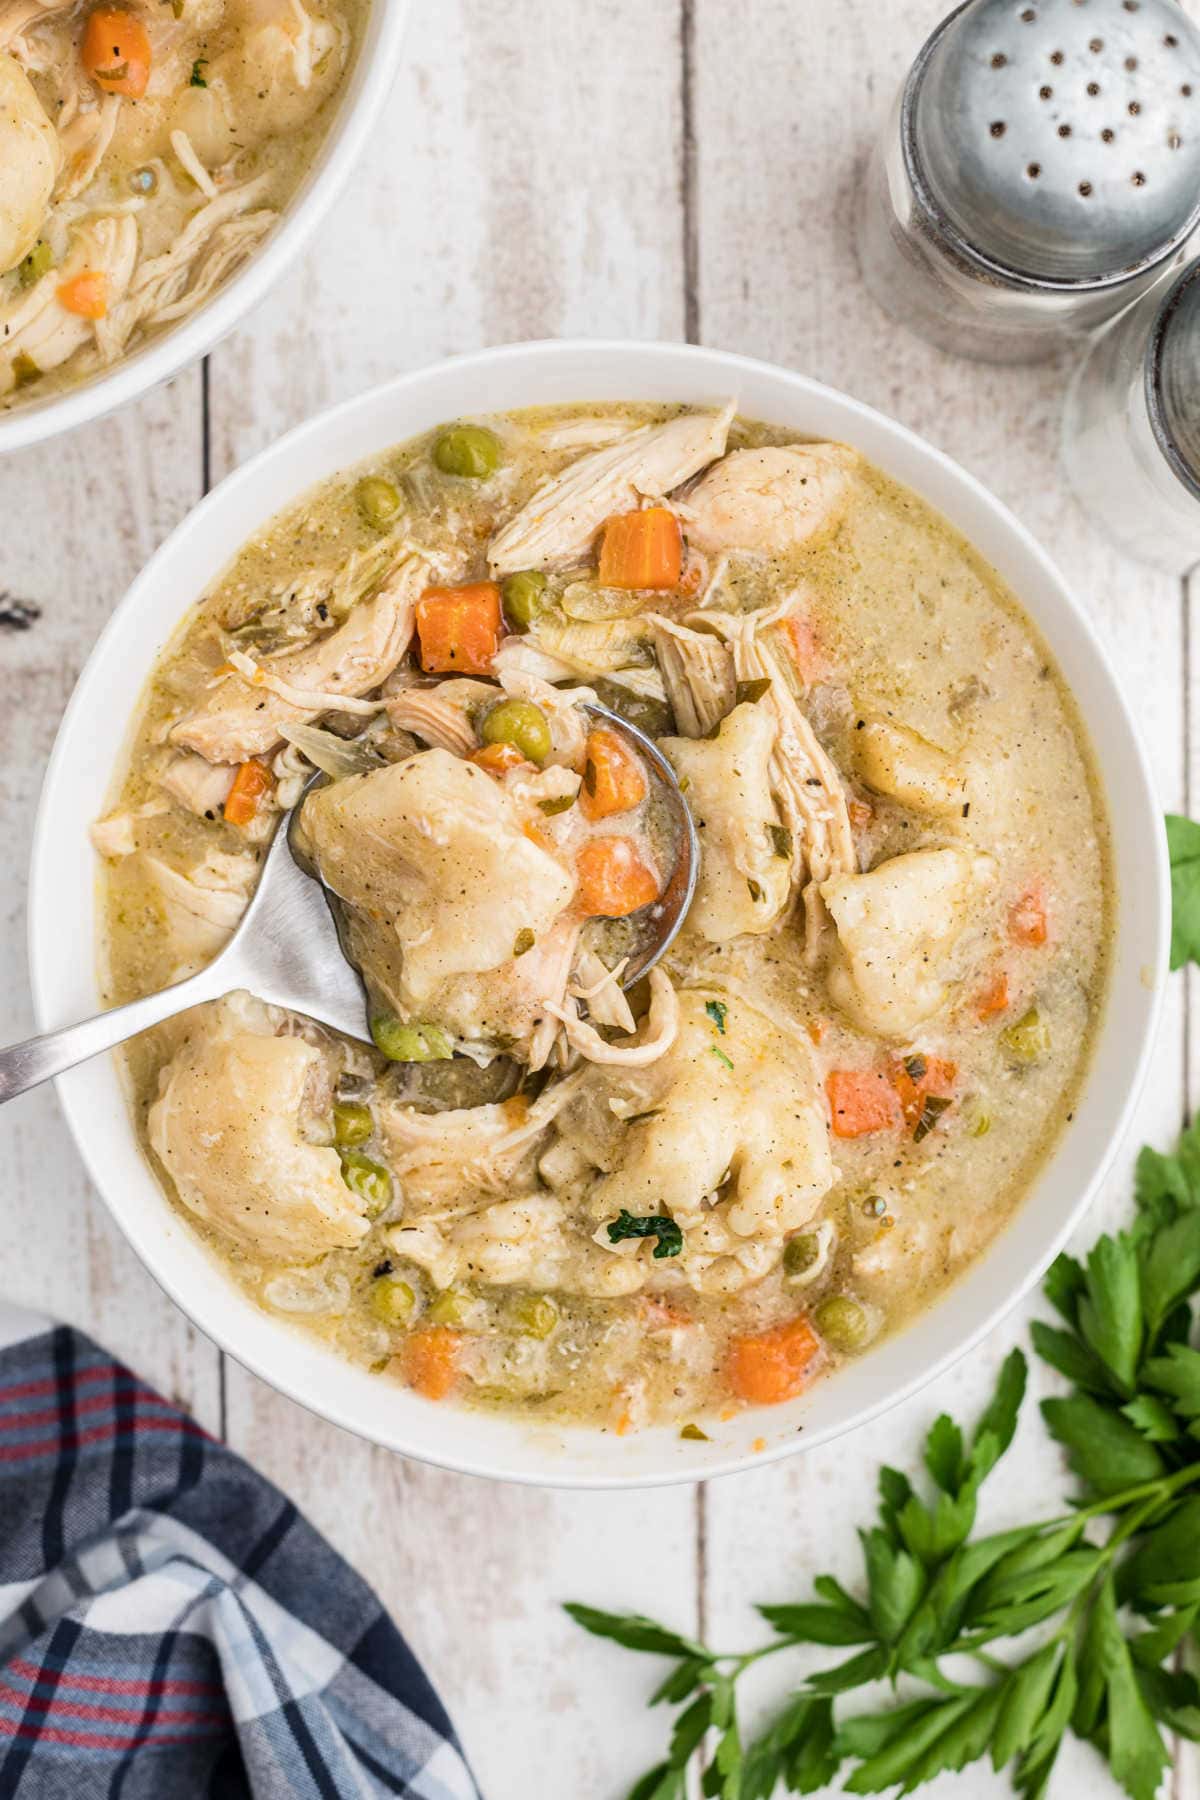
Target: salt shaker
[1131, 427]
[1040, 170]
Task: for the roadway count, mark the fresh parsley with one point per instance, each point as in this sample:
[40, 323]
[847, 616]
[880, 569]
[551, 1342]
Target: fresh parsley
[1093, 1604]
[655, 1225]
[718, 1012]
[197, 78]
[1183, 847]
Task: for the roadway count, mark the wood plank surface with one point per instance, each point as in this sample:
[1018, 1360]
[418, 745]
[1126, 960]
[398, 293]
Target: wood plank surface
[655, 168]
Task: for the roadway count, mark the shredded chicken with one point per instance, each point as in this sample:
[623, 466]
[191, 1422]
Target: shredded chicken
[662, 1023]
[807, 787]
[558, 525]
[243, 713]
[199, 787]
[698, 675]
[441, 716]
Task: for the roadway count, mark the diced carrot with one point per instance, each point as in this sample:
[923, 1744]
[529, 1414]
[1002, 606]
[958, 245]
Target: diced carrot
[86, 294]
[429, 1360]
[994, 997]
[613, 778]
[1027, 920]
[116, 52]
[642, 550]
[459, 629]
[498, 759]
[861, 1101]
[860, 814]
[613, 879]
[801, 640]
[918, 1076]
[769, 1366]
[251, 782]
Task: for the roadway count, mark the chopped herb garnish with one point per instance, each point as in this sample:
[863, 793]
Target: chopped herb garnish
[694, 1433]
[589, 776]
[752, 690]
[655, 1225]
[523, 941]
[932, 1108]
[915, 1066]
[39, 262]
[24, 369]
[720, 1055]
[197, 79]
[781, 840]
[756, 892]
[558, 805]
[718, 1012]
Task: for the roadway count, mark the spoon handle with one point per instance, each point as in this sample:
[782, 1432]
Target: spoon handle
[37, 1059]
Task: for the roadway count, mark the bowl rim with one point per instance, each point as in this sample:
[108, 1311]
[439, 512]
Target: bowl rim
[374, 69]
[726, 370]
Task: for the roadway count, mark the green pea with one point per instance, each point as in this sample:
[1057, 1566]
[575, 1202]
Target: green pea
[352, 1124]
[392, 1300]
[452, 1307]
[524, 596]
[368, 1179]
[1028, 1040]
[39, 262]
[534, 1315]
[378, 500]
[410, 1043]
[842, 1322]
[468, 450]
[801, 1252]
[521, 724]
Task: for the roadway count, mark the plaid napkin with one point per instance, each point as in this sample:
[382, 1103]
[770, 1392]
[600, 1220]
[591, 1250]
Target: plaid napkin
[170, 1626]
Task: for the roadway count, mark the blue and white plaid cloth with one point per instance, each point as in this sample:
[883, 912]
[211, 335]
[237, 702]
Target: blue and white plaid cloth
[170, 1626]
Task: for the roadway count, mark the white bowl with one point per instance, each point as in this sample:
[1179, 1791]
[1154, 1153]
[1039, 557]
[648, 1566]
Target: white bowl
[356, 108]
[63, 916]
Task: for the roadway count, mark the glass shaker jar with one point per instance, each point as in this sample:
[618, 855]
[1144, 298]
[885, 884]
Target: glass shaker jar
[1131, 427]
[1040, 170]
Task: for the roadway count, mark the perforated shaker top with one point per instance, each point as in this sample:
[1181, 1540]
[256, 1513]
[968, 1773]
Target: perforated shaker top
[1061, 138]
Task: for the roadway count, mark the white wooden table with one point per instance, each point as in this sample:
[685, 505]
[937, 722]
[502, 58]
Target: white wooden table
[650, 168]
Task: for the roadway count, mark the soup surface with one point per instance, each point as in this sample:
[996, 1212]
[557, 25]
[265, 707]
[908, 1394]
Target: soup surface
[146, 149]
[537, 1190]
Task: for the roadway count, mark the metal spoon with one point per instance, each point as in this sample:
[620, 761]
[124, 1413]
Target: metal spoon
[287, 950]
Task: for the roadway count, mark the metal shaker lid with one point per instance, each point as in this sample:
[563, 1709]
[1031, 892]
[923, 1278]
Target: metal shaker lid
[1059, 140]
[1173, 378]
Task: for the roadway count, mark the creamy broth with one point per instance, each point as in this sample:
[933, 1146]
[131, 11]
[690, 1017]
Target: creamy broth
[146, 150]
[839, 1083]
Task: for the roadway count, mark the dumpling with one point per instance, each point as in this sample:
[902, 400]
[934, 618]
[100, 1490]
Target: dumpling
[229, 1126]
[745, 852]
[29, 162]
[771, 500]
[895, 760]
[897, 927]
[727, 1136]
[443, 888]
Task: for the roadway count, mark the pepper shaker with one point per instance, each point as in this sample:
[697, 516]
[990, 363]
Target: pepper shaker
[1040, 170]
[1131, 427]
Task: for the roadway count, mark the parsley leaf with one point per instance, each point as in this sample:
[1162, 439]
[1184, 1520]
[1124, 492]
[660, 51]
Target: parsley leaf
[197, 79]
[1183, 847]
[655, 1225]
[718, 1012]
